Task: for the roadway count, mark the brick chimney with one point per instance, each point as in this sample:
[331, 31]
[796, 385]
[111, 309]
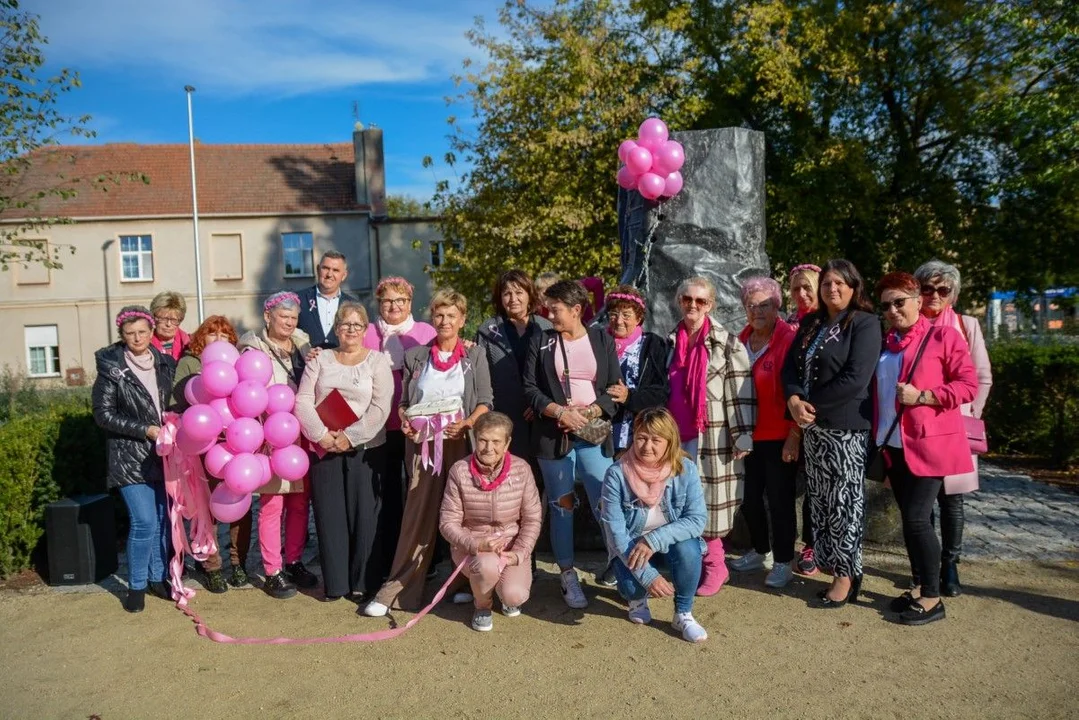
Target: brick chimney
[370, 170]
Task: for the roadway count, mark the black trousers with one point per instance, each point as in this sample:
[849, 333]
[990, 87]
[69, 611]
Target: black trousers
[767, 475]
[346, 495]
[394, 487]
[916, 497]
[951, 526]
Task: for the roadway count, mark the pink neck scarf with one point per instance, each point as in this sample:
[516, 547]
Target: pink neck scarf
[496, 477]
[455, 356]
[896, 343]
[694, 360]
[646, 481]
[622, 344]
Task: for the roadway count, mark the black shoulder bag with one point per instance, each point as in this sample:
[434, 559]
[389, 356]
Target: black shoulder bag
[876, 468]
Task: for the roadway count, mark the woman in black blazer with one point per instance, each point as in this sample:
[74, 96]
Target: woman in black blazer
[826, 377]
[568, 376]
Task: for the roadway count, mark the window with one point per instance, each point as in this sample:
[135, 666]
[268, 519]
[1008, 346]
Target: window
[42, 350]
[438, 252]
[136, 257]
[227, 256]
[32, 271]
[299, 254]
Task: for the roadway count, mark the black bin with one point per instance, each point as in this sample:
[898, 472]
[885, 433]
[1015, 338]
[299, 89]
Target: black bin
[80, 538]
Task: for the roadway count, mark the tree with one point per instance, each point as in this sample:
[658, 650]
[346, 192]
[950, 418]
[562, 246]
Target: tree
[406, 206]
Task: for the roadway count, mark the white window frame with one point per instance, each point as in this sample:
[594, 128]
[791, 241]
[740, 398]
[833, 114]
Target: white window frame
[140, 255]
[310, 255]
[47, 337]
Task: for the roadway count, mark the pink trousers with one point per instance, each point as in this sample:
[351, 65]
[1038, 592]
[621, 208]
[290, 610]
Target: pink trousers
[293, 506]
[513, 583]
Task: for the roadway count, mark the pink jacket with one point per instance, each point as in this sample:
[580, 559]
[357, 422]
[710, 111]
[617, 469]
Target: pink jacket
[513, 509]
[934, 438]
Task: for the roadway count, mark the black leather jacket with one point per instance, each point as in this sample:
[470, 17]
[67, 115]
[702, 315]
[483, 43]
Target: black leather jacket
[124, 410]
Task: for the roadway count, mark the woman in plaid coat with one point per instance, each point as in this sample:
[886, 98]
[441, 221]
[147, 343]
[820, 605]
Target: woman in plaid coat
[713, 401]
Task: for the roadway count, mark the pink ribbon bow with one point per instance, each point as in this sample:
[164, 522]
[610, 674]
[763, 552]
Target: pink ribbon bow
[429, 436]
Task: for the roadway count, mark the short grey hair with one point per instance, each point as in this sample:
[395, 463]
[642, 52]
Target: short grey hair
[283, 300]
[947, 273]
[334, 255]
[696, 281]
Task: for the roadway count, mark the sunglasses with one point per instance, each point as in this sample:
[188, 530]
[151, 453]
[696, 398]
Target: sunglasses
[690, 300]
[941, 290]
[896, 305]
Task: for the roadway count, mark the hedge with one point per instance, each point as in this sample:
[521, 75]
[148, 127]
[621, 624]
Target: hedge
[1033, 407]
[44, 456]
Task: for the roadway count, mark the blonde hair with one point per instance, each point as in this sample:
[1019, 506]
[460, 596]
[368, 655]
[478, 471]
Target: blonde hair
[448, 296]
[696, 281]
[169, 300]
[659, 421]
[347, 308]
[810, 275]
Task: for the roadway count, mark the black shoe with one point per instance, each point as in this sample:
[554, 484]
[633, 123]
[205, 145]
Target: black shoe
[161, 590]
[607, 578]
[278, 586]
[828, 603]
[949, 580]
[135, 601]
[301, 576]
[215, 582]
[432, 573]
[901, 603]
[238, 578]
[918, 615]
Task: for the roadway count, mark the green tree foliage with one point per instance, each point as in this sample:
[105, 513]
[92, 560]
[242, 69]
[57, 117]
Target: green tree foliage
[399, 206]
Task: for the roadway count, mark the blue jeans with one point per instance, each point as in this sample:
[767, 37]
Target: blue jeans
[587, 462]
[146, 537]
[684, 559]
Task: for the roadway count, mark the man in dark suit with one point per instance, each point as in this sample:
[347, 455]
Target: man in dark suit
[319, 303]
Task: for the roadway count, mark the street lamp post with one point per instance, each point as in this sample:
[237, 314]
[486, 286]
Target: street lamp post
[194, 202]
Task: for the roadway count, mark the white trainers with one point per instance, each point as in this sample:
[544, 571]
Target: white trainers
[691, 629]
[752, 560]
[375, 609]
[639, 612]
[482, 621]
[511, 610]
[462, 598]
[779, 577]
[571, 590]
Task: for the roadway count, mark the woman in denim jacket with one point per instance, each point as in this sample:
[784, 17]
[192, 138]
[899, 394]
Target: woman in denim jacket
[653, 507]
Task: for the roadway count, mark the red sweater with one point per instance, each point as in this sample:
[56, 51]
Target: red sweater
[772, 423]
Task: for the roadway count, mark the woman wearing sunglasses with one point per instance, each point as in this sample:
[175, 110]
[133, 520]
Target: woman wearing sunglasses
[923, 376]
[713, 403]
[940, 284]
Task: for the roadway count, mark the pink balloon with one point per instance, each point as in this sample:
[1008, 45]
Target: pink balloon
[255, 365]
[219, 378]
[650, 185]
[624, 148]
[219, 351]
[189, 445]
[227, 506]
[195, 393]
[221, 406]
[281, 398]
[668, 158]
[652, 133]
[638, 160]
[290, 463]
[627, 179]
[281, 429]
[673, 184]
[243, 474]
[201, 422]
[264, 463]
[244, 435]
[216, 459]
[248, 399]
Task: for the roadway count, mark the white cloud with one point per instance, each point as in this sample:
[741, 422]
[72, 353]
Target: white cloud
[280, 47]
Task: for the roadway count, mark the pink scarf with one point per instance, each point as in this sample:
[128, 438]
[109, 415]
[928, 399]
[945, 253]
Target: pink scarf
[694, 360]
[896, 343]
[622, 344]
[180, 341]
[455, 356]
[390, 343]
[646, 481]
[485, 484]
[948, 317]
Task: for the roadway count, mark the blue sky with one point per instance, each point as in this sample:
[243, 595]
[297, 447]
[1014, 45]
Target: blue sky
[269, 71]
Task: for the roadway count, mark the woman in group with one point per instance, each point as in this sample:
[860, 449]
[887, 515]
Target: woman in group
[924, 375]
[940, 285]
[449, 388]
[771, 468]
[826, 380]
[568, 378]
[169, 309]
[130, 392]
[654, 508]
[543, 281]
[804, 281]
[215, 328]
[346, 482]
[491, 514]
[712, 401]
[283, 502]
[394, 332]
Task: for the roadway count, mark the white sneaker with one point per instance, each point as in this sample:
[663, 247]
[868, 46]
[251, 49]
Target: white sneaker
[779, 577]
[639, 612]
[462, 598]
[752, 560]
[511, 610]
[482, 621]
[571, 590]
[690, 628]
[375, 609]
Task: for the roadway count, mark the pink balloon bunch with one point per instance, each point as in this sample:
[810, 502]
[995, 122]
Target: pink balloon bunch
[651, 164]
[245, 430]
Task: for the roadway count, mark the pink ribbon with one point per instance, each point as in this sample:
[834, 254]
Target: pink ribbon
[429, 436]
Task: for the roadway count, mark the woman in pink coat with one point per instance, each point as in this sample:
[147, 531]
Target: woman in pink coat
[491, 517]
[924, 374]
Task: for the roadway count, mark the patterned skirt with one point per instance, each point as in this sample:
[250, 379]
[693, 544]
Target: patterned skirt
[835, 481]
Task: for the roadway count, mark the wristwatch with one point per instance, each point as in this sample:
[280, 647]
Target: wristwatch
[922, 398]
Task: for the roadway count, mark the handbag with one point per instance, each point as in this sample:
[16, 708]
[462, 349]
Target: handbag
[876, 468]
[595, 431]
[975, 428]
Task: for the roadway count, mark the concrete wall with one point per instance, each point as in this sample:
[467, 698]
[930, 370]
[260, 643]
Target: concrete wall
[404, 249]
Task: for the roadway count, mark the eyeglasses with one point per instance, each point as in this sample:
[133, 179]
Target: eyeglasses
[352, 327]
[166, 320]
[896, 304]
[941, 290]
[626, 315]
[760, 308]
[699, 302]
[399, 302]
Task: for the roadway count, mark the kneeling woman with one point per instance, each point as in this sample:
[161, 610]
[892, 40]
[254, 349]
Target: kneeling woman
[653, 507]
[491, 514]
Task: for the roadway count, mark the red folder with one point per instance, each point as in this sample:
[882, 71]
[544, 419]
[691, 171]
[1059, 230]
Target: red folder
[335, 413]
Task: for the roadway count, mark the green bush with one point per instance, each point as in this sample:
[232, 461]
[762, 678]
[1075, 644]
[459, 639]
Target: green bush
[44, 456]
[22, 395]
[1033, 407]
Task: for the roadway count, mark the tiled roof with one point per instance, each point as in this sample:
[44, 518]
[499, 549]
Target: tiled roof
[257, 179]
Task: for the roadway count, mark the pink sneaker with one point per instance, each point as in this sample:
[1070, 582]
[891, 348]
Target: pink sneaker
[807, 564]
[714, 572]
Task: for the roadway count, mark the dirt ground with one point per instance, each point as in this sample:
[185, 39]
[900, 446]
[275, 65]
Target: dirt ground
[1009, 648]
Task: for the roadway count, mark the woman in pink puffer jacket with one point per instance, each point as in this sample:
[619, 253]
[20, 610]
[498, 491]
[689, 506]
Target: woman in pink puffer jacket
[491, 515]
